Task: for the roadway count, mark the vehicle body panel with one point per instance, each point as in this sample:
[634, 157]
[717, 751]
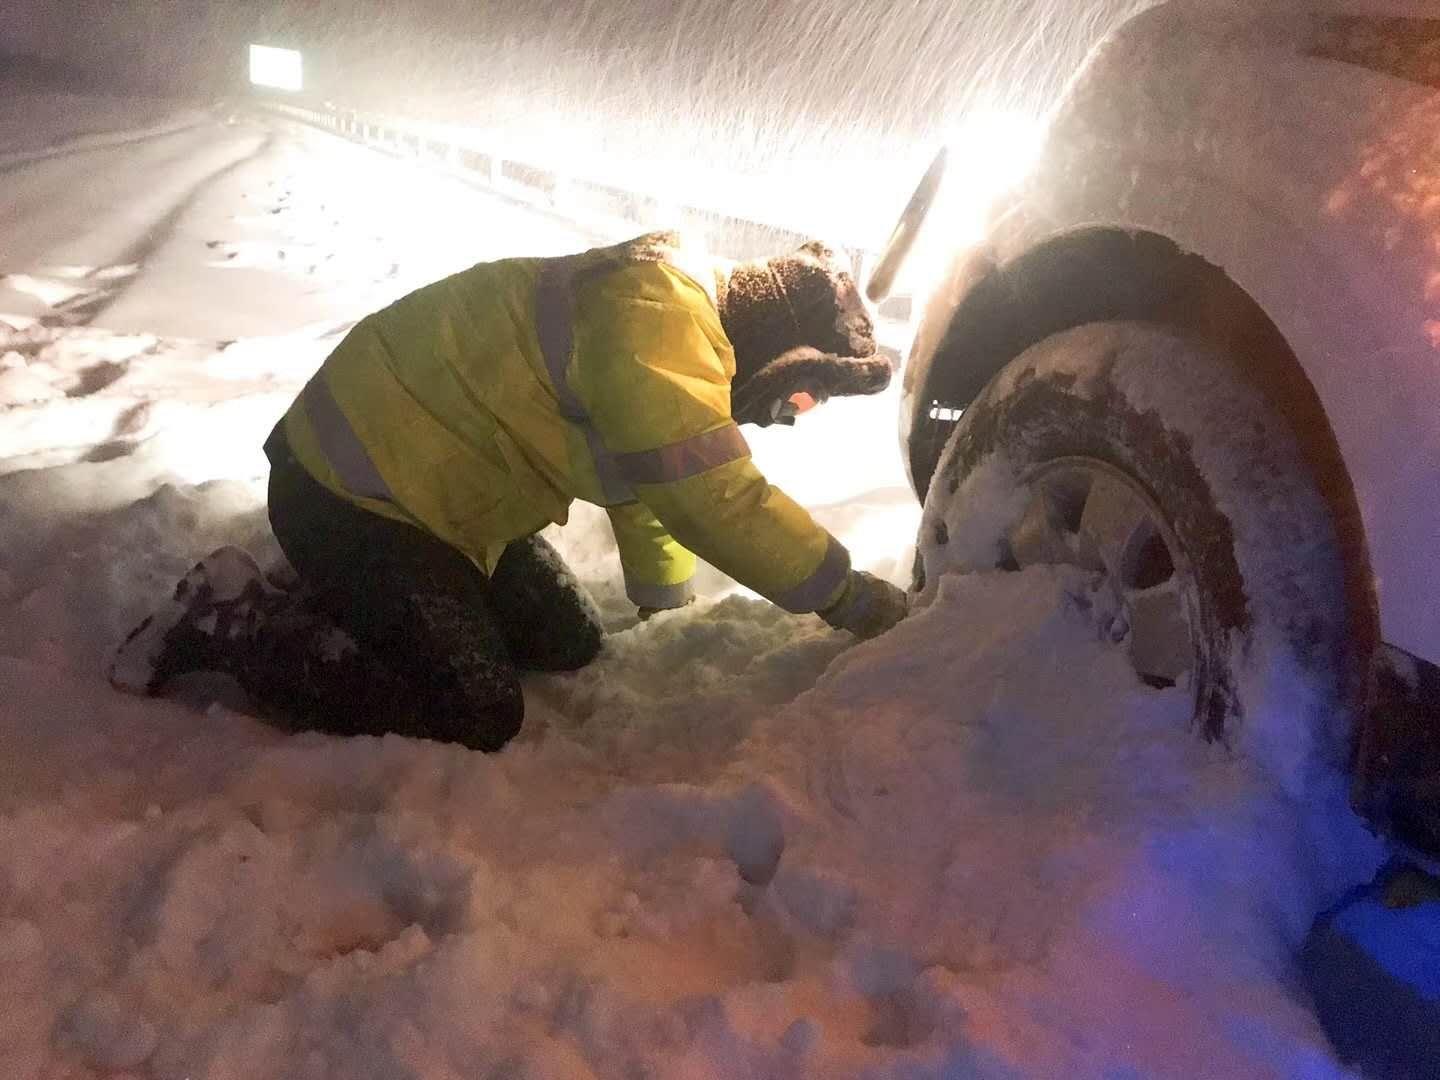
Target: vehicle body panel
[1314, 183]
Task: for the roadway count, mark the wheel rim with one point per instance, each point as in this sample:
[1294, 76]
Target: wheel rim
[1083, 512]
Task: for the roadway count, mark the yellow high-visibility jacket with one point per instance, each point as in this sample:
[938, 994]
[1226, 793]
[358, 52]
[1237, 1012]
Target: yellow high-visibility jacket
[480, 406]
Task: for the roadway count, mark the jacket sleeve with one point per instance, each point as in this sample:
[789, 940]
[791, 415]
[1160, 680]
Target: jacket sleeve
[655, 378]
[659, 570]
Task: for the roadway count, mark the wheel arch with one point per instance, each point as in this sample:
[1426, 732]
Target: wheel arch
[1102, 274]
[1109, 274]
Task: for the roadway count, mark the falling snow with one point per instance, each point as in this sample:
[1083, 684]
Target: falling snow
[820, 109]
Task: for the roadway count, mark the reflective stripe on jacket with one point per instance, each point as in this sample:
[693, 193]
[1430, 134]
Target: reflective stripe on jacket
[480, 406]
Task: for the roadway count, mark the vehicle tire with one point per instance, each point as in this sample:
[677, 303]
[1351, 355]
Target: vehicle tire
[1145, 456]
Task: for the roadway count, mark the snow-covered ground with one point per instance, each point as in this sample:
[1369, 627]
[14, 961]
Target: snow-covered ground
[738, 845]
[38, 118]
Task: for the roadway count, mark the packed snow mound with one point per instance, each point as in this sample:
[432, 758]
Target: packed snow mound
[975, 847]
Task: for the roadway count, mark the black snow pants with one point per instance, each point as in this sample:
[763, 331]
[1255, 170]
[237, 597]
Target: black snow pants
[441, 644]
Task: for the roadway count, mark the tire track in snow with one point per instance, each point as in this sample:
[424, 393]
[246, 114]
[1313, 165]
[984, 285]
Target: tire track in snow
[140, 252]
[96, 143]
[89, 209]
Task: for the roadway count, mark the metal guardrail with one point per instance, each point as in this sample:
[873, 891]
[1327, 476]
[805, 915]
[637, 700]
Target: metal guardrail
[604, 208]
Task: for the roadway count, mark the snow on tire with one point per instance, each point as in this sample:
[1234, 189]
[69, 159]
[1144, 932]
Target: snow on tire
[1147, 457]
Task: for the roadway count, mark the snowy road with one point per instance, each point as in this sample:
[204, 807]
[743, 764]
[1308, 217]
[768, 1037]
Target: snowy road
[738, 845]
[117, 195]
[237, 208]
[124, 203]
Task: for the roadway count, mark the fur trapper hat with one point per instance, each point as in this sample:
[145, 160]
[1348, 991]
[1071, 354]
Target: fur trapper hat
[797, 324]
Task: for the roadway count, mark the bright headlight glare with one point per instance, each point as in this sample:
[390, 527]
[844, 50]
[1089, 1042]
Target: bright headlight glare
[990, 153]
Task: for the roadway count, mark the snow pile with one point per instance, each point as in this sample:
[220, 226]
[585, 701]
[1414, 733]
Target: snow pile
[738, 844]
[976, 847]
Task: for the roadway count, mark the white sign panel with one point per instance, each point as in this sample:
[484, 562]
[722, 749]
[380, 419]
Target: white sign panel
[280, 68]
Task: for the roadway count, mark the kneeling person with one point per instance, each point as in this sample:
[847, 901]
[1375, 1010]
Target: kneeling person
[412, 474]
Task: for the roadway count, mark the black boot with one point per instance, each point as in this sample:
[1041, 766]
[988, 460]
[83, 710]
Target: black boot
[215, 613]
[299, 669]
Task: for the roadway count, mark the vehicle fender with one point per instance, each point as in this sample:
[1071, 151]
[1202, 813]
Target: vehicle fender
[1066, 257]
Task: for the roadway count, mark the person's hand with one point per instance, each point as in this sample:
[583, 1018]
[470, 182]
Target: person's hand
[868, 607]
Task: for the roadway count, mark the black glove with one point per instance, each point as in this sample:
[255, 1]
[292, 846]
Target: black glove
[867, 607]
[646, 613]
